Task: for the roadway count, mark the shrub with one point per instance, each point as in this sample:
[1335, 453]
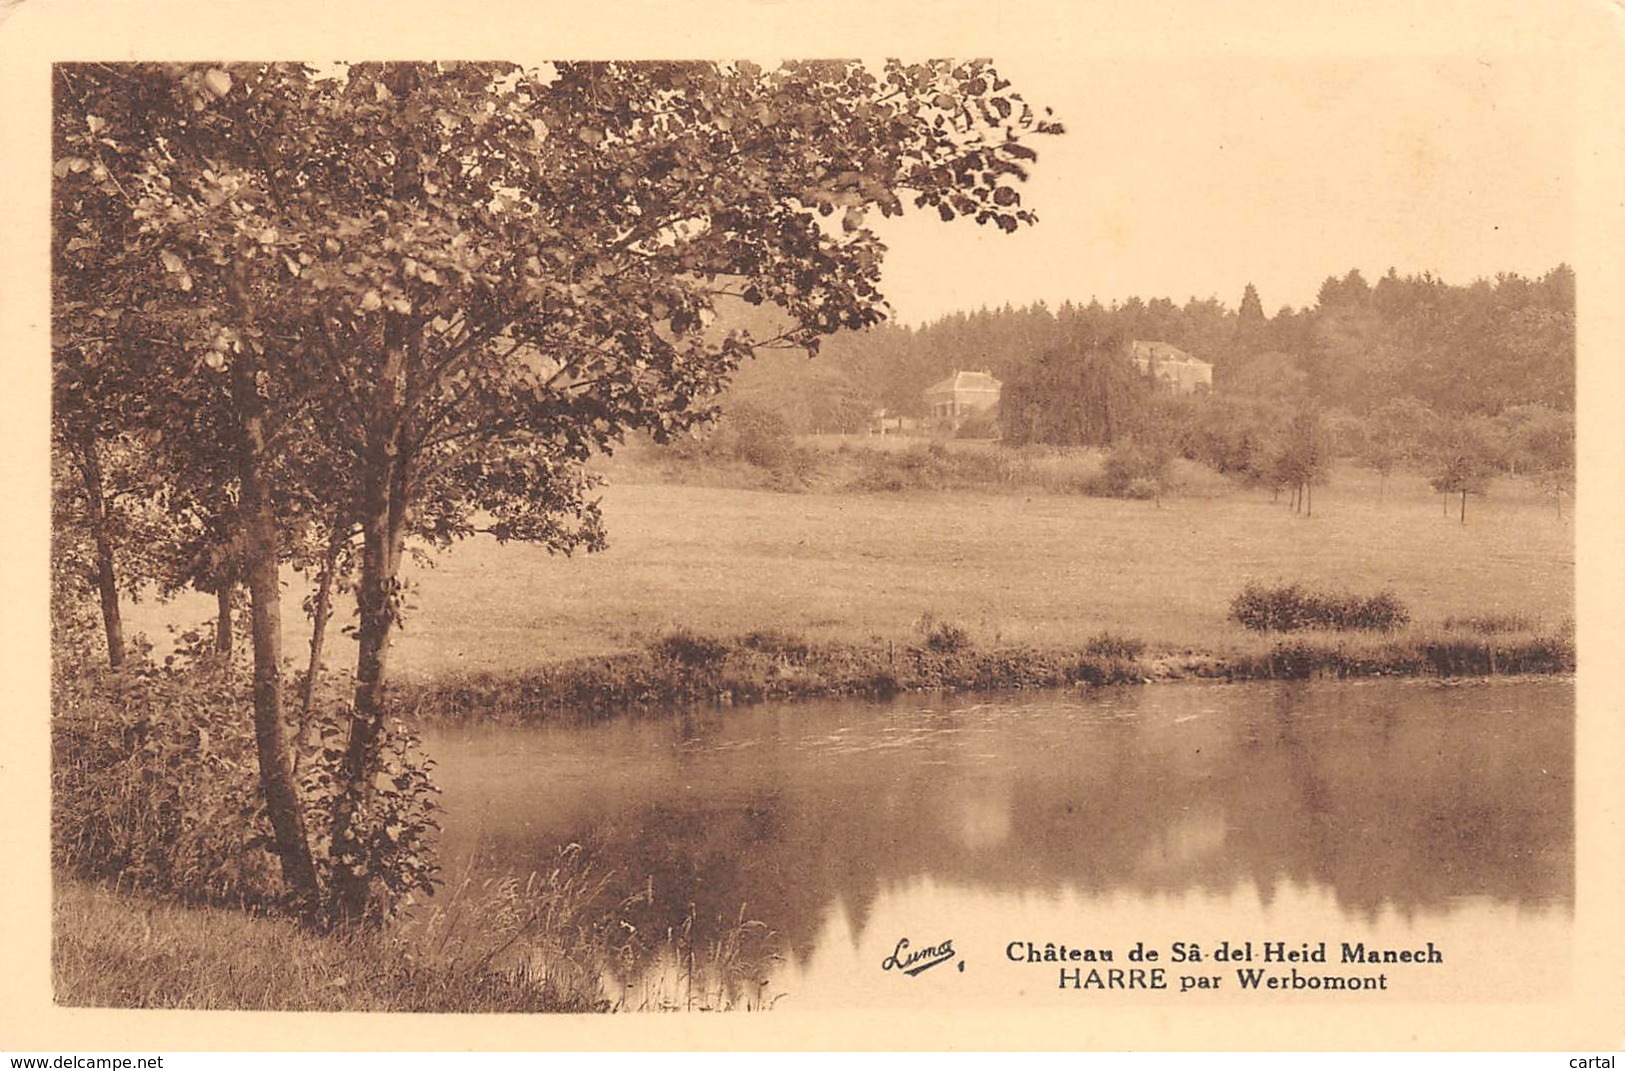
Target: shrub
[1111, 645]
[691, 649]
[395, 828]
[1132, 471]
[786, 645]
[751, 437]
[1382, 612]
[155, 785]
[763, 438]
[930, 467]
[1297, 661]
[1290, 608]
[943, 637]
[979, 424]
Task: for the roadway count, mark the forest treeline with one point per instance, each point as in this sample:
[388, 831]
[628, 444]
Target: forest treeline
[1462, 383]
[1473, 350]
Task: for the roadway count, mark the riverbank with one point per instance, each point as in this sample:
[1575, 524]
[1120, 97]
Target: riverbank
[547, 943]
[686, 668]
[126, 950]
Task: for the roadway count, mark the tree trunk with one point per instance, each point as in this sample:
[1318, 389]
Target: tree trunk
[222, 622]
[323, 610]
[261, 554]
[383, 528]
[1464, 507]
[90, 470]
[376, 602]
[1309, 498]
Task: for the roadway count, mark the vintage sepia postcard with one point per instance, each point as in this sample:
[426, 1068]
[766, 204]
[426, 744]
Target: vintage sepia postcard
[780, 525]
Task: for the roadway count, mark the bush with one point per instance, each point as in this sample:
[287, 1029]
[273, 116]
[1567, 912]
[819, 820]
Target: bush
[1111, 645]
[155, 785]
[1132, 471]
[755, 436]
[978, 424]
[1290, 608]
[395, 828]
[691, 649]
[786, 645]
[929, 467]
[943, 637]
[762, 436]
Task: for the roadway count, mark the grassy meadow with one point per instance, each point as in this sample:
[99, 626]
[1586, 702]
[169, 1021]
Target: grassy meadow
[1012, 567]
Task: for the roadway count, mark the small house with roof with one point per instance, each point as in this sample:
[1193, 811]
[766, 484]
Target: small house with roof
[1172, 365]
[962, 394]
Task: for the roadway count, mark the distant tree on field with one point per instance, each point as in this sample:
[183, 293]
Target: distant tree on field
[1461, 460]
[1541, 444]
[1302, 459]
[1392, 436]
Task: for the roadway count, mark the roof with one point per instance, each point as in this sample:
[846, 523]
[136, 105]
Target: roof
[965, 381]
[1161, 351]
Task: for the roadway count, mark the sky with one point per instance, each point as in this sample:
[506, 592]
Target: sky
[1208, 145]
[1186, 177]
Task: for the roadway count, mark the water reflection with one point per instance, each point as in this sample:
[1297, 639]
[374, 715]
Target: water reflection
[1375, 805]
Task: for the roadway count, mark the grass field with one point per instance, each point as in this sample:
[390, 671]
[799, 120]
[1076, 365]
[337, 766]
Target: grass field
[1038, 569]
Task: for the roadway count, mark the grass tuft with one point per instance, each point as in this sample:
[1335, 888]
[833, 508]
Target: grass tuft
[1423, 656]
[1489, 624]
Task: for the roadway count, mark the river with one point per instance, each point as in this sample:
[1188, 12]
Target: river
[1277, 820]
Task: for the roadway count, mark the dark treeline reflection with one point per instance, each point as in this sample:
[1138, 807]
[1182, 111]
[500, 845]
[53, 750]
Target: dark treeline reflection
[1405, 795]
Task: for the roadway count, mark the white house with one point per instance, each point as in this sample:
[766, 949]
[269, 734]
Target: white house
[1172, 365]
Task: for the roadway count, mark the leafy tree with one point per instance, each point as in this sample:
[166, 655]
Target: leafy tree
[108, 531]
[1393, 435]
[1084, 393]
[463, 279]
[1541, 443]
[1272, 377]
[1461, 460]
[96, 399]
[1302, 458]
